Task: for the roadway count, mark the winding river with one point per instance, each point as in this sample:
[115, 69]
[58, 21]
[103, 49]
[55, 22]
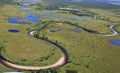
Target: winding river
[111, 27]
[115, 33]
[62, 61]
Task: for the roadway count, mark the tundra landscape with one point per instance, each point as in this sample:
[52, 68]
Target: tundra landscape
[54, 36]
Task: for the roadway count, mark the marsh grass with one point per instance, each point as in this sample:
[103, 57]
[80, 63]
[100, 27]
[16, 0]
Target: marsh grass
[87, 52]
[20, 48]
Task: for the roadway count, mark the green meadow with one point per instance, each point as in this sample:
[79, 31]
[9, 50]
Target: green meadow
[87, 52]
[20, 48]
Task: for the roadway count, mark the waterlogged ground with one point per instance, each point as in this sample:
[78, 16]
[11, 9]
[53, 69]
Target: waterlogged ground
[88, 51]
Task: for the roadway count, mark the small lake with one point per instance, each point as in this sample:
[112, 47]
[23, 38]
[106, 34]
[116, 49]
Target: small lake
[28, 19]
[13, 31]
[115, 42]
[53, 30]
[25, 8]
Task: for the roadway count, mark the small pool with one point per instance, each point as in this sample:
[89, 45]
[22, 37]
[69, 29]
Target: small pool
[76, 31]
[53, 30]
[60, 29]
[115, 42]
[24, 8]
[13, 31]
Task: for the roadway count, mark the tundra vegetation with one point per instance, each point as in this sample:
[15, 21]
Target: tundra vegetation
[87, 51]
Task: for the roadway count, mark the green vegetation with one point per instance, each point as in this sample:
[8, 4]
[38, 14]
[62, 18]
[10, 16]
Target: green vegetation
[87, 51]
[19, 47]
[118, 29]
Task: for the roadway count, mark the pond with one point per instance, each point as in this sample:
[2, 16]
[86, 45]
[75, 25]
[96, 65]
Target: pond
[24, 8]
[115, 42]
[60, 29]
[28, 19]
[13, 31]
[76, 31]
[53, 30]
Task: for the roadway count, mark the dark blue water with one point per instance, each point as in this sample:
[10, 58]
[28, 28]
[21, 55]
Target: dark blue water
[53, 31]
[115, 42]
[13, 31]
[29, 17]
[24, 8]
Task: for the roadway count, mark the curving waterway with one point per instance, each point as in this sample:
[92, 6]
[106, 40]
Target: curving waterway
[64, 57]
[115, 33]
[62, 61]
